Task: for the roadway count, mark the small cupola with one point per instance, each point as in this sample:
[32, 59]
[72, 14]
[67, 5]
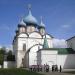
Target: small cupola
[22, 27]
[41, 27]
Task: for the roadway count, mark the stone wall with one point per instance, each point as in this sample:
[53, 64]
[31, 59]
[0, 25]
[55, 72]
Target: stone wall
[9, 64]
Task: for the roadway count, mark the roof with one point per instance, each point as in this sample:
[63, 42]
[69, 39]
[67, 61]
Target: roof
[22, 23]
[30, 19]
[42, 25]
[49, 35]
[70, 38]
[61, 50]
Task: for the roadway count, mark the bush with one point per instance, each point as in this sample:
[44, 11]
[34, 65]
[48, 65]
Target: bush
[10, 56]
[1, 59]
[2, 52]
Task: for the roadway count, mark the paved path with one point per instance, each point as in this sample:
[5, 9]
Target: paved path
[55, 73]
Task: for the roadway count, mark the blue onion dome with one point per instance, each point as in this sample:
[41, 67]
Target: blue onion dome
[22, 24]
[30, 19]
[42, 25]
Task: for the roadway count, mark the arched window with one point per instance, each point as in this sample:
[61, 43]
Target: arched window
[24, 47]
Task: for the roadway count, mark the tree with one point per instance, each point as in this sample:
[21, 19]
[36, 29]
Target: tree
[10, 56]
[2, 53]
[3, 50]
[9, 53]
[1, 59]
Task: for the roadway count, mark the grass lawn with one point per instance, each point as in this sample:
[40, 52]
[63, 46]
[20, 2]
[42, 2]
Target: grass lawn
[17, 72]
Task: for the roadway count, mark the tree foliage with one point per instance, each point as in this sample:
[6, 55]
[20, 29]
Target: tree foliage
[3, 50]
[10, 56]
[2, 53]
[1, 59]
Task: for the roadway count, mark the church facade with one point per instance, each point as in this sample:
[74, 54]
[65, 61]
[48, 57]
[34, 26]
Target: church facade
[32, 45]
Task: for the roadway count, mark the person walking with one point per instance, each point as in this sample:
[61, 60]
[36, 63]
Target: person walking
[60, 68]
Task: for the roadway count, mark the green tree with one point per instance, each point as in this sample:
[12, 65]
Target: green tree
[10, 56]
[3, 50]
[9, 53]
[1, 59]
[2, 53]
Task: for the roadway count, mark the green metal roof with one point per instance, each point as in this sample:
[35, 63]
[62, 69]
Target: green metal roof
[62, 50]
[65, 51]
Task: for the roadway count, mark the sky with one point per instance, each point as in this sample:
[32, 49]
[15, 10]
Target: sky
[58, 16]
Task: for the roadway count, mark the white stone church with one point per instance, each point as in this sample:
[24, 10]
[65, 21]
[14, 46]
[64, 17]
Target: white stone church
[32, 45]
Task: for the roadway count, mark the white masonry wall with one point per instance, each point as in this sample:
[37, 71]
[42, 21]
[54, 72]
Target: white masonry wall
[33, 55]
[30, 40]
[8, 64]
[71, 43]
[66, 61]
[47, 57]
[52, 58]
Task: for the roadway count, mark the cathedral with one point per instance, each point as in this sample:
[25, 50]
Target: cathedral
[32, 45]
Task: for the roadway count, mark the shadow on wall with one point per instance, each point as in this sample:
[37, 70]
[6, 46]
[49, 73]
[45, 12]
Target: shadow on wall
[69, 62]
[26, 59]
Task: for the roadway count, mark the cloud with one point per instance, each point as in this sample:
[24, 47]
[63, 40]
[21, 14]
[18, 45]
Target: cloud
[4, 27]
[63, 29]
[0, 46]
[8, 47]
[66, 26]
[59, 43]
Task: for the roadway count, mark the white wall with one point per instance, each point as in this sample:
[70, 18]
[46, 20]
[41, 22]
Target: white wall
[33, 39]
[47, 57]
[66, 61]
[0, 66]
[39, 57]
[26, 60]
[21, 42]
[20, 53]
[9, 64]
[33, 55]
[71, 43]
[52, 58]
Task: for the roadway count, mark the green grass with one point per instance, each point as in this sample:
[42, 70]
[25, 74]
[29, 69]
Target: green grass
[17, 72]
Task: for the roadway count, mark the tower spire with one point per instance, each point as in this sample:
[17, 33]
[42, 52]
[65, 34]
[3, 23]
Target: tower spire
[29, 8]
[41, 19]
[42, 24]
[45, 45]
